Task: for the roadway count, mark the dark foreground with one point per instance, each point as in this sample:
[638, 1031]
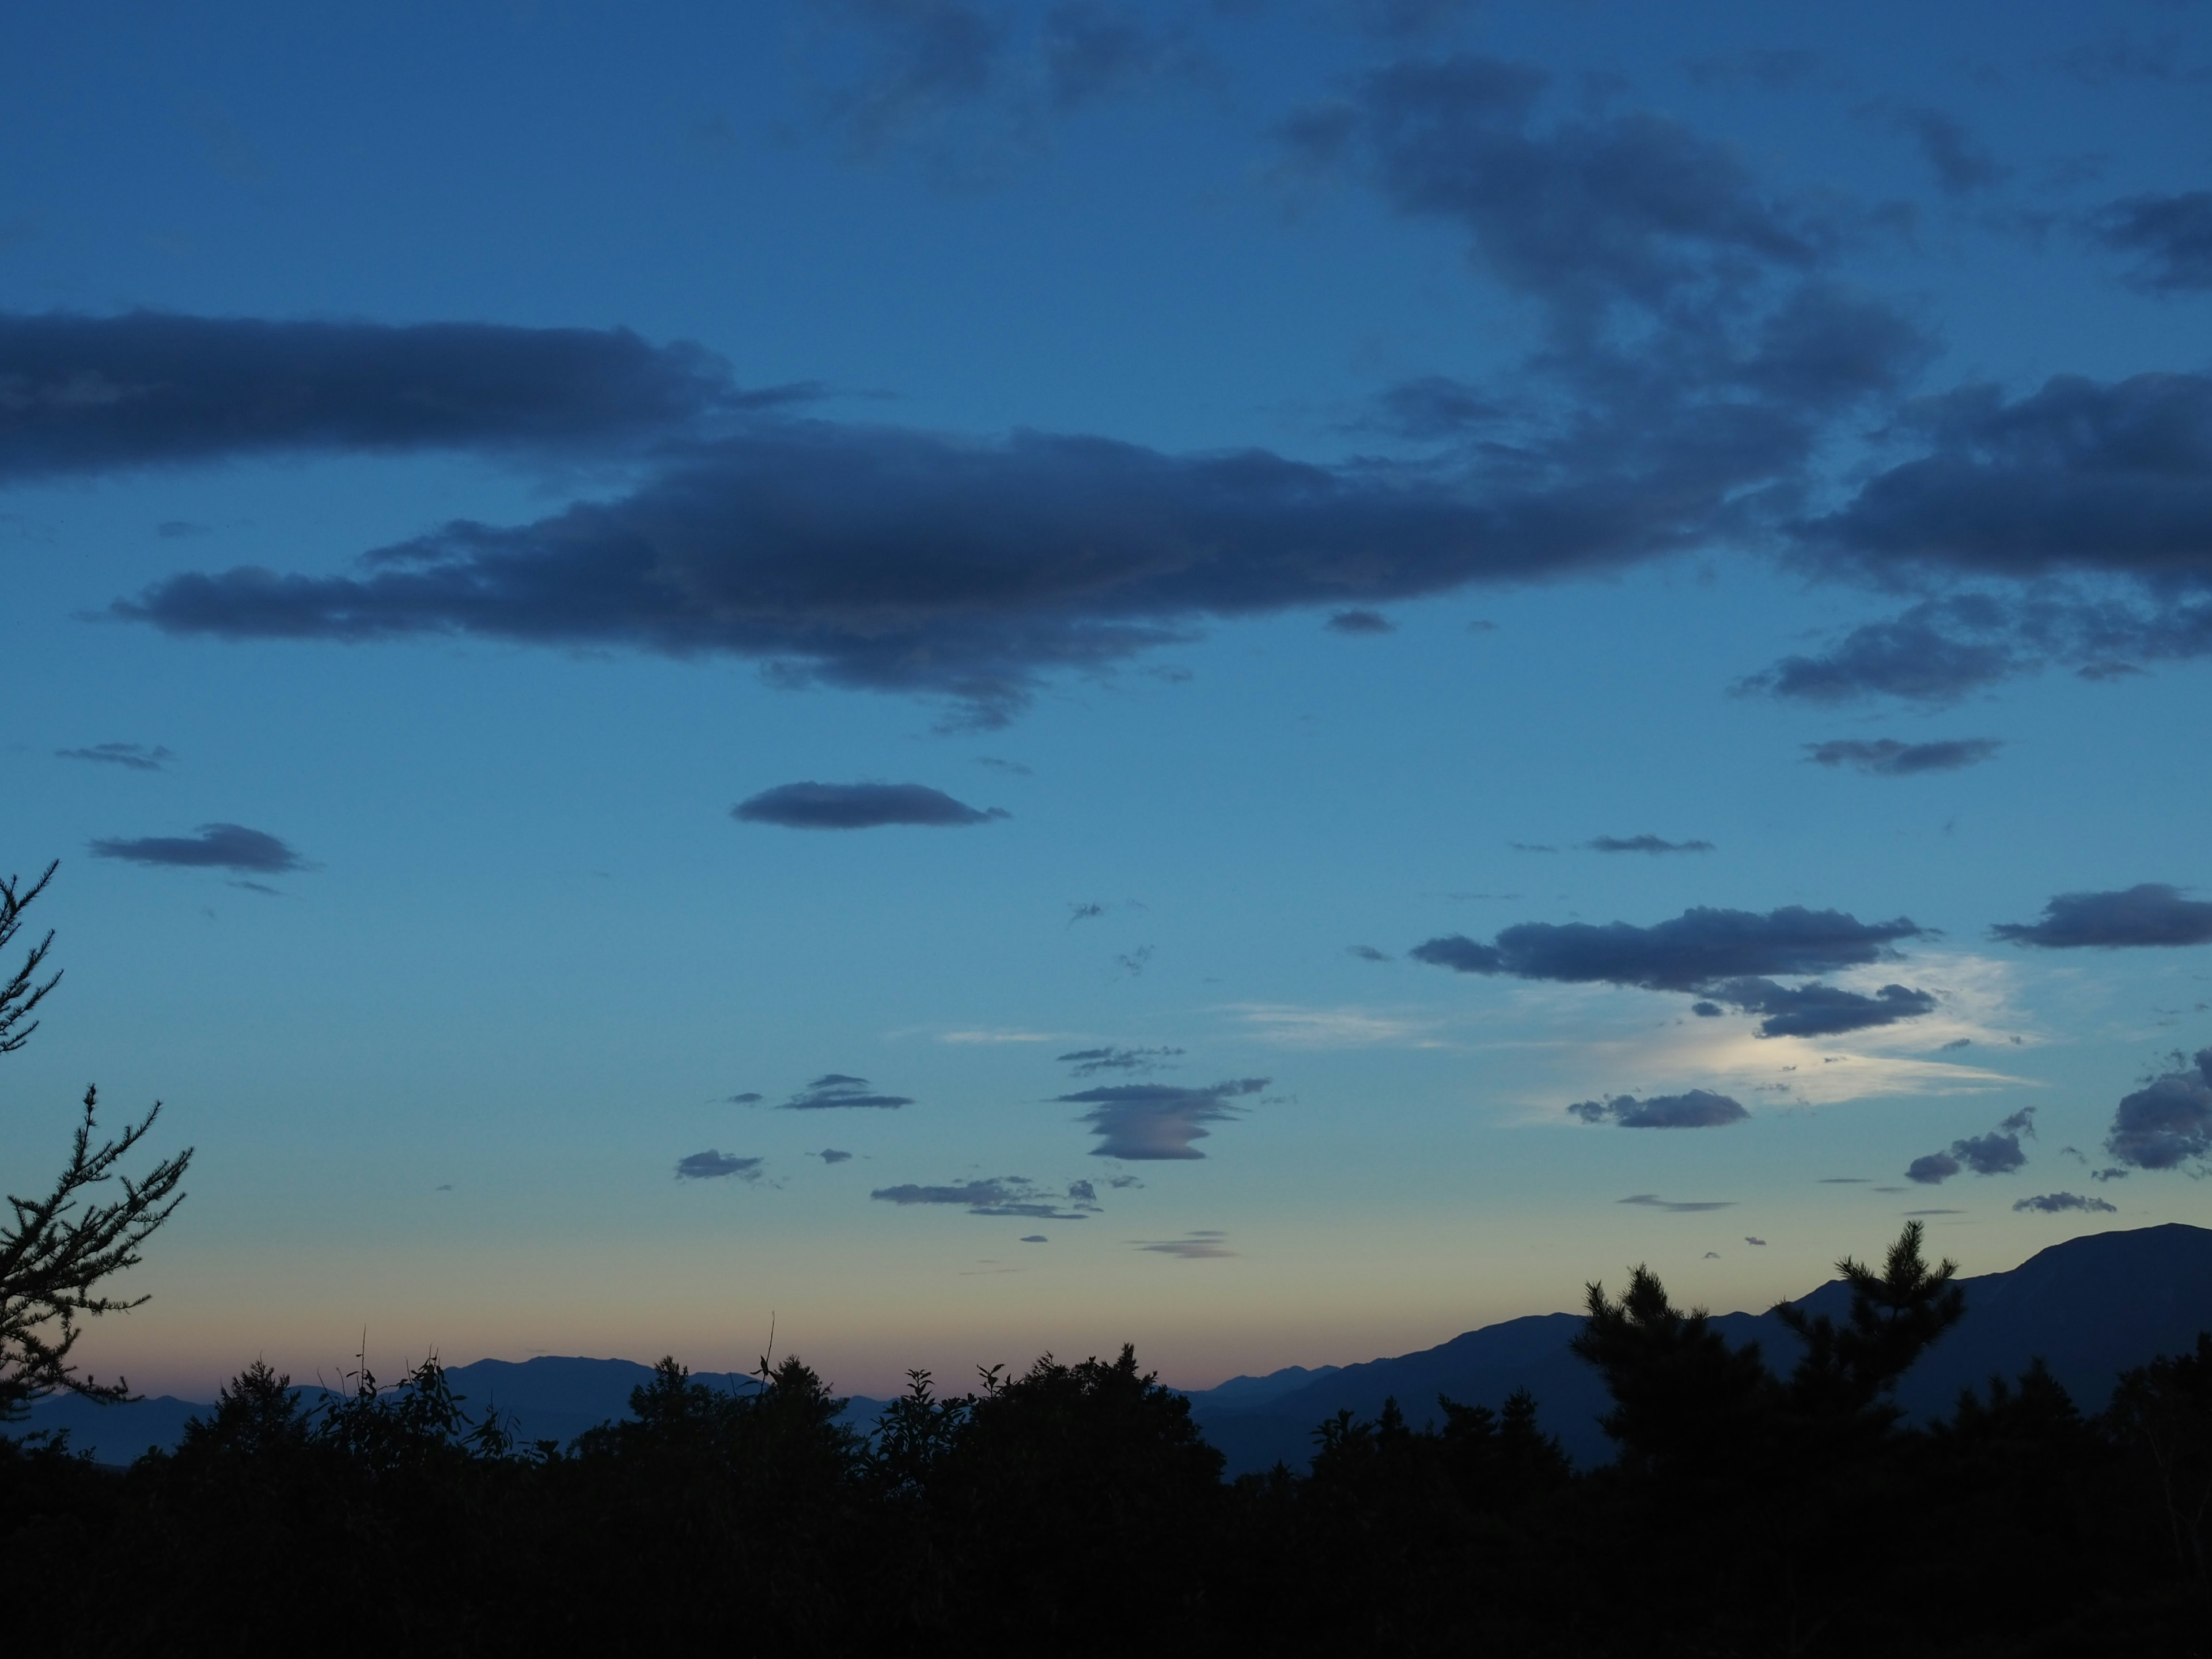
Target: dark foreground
[1076, 1509]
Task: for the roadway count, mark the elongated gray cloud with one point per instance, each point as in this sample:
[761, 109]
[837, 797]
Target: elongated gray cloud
[1002, 1196]
[1197, 1246]
[836, 1092]
[2059, 1203]
[1088, 1062]
[1653, 1201]
[2149, 914]
[137, 756]
[98, 394]
[2167, 1122]
[1699, 1108]
[1360, 622]
[214, 846]
[907, 561]
[1646, 844]
[711, 1166]
[1701, 947]
[858, 807]
[1158, 1121]
[1888, 757]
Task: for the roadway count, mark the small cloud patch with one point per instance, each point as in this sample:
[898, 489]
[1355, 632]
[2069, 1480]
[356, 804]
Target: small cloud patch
[711, 1166]
[835, 1090]
[1697, 1110]
[1088, 1062]
[1360, 622]
[1887, 758]
[859, 807]
[1365, 953]
[214, 846]
[1653, 1201]
[137, 756]
[2150, 914]
[1651, 844]
[2058, 1203]
[1001, 1196]
[831, 1155]
[1144, 1122]
[1194, 1247]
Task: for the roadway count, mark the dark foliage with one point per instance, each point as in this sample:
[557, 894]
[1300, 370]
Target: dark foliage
[1074, 1509]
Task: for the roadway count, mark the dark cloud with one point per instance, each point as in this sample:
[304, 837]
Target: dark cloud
[1013, 767]
[178, 529]
[836, 1090]
[97, 394]
[1697, 1110]
[1646, 844]
[257, 887]
[831, 1155]
[1083, 913]
[2170, 236]
[1700, 948]
[749, 1097]
[1748, 1239]
[1365, 953]
[921, 58]
[1997, 1153]
[1890, 758]
[1933, 1170]
[1819, 1009]
[1148, 1121]
[711, 1166]
[858, 806]
[2057, 1203]
[1360, 622]
[216, 846]
[1088, 1062]
[1135, 962]
[2168, 1121]
[1704, 1010]
[1034, 1238]
[2094, 499]
[2149, 914]
[908, 563]
[138, 757]
[1911, 657]
[1653, 1201]
[1002, 1196]
[1961, 164]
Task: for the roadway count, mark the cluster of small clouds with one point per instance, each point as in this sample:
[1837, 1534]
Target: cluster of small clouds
[1088, 1062]
[1002, 1196]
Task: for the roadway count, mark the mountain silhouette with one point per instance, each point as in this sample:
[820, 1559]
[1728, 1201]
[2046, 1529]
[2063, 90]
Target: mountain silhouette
[2090, 1307]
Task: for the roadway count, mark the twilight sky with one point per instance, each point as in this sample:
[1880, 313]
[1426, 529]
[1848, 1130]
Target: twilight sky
[1270, 677]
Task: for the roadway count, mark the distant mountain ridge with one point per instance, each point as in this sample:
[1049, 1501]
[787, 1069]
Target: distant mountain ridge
[2091, 1308]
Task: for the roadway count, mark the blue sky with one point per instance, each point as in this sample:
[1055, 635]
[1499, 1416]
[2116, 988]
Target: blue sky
[1229, 484]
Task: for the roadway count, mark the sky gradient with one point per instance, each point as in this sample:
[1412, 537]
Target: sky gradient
[1271, 679]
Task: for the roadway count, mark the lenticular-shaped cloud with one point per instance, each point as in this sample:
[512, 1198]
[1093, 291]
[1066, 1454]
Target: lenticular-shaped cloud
[2149, 914]
[214, 846]
[1699, 1108]
[137, 756]
[858, 806]
[1149, 1120]
[1646, 844]
[837, 1090]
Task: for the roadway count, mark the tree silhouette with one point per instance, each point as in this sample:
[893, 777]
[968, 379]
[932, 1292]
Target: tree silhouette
[60, 1247]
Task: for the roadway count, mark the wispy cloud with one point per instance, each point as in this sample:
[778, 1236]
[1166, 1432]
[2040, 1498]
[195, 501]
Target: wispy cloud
[1192, 1246]
[1653, 1201]
[711, 1166]
[137, 756]
[214, 846]
[1292, 1026]
[1001, 1196]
